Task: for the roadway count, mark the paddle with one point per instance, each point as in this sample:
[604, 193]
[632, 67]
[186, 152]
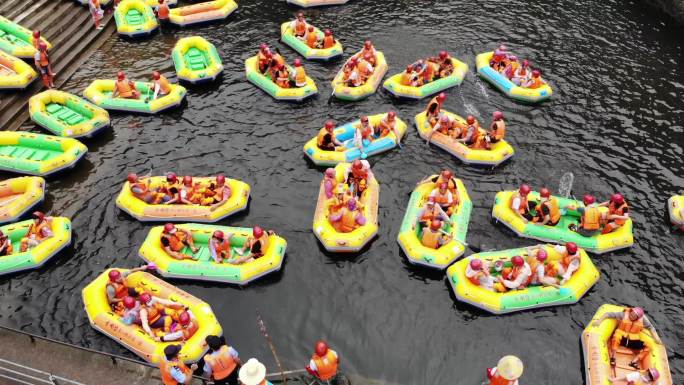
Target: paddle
[264, 332]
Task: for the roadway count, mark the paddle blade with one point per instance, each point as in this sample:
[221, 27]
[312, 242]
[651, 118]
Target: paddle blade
[565, 184]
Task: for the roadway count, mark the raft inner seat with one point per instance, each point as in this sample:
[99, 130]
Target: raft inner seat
[28, 153]
[196, 59]
[134, 17]
[65, 114]
[204, 255]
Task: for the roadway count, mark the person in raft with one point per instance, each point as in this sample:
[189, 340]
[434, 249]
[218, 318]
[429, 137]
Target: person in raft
[348, 218]
[356, 177]
[433, 111]
[298, 75]
[433, 236]
[649, 376]
[184, 327]
[323, 363]
[507, 371]
[219, 246]
[96, 12]
[522, 74]
[368, 49]
[445, 176]
[313, 41]
[255, 246]
[363, 134]
[543, 272]
[477, 272]
[162, 87]
[39, 230]
[629, 333]
[140, 188]
[299, 26]
[264, 57]
[222, 363]
[431, 212]
[444, 198]
[5, 245]
[174, 239]
[591, 218]
[173, 370]
[340, 199]
[473, 136]
[516, 277]
[387, 125]
[351, 75]
[548, 211]
[535, 81]
[618, 213]
[253, 372]
[124, 88]
[326, 139]
[569, 262]
[497, 130]
[520, 205]
[157, 313]
[116, 288]
[43, 64]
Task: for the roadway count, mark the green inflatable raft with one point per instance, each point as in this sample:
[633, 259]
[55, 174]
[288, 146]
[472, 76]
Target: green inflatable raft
[36, 256]
[196, 60]
[37, 154]
[67, 115]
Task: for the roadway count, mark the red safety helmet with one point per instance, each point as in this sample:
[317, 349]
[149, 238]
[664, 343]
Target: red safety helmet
[588, 199]
[638, 312]
[435, 224]
[263, 46]
[161, 1]
[654, 374]
[172, 177]
[145, 297]
[617, 198]
[311, 28]
[184, 318]
[42, 46]
[297, 62]
[128, 301]
[257, 232]
[431, 199]
[281, 66]
[169, 227]
[542, 255]
[498, 115]
[524, 189]
[409, 68]
[327, 32]
[367, 44]
[220, 179]
[525, 63]
[132, 178]
[391, 114]
[268, 54]
[156, 75]
[120, 75]
[218, 234]
[470, 119]
[571, 247]
[364, 119]
[321, 348]
[443, 55]
[476, 264]
[36, 34]
[544, 193]
[536, 73]
[329, 124]
[357, 165]
[517, 261]
[187, 180]
[441, 97]
[38, 215]
[513, 58]
[447, 174]
[114, 275]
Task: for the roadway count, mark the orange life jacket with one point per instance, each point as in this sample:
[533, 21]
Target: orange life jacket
[164, 85]
[363, 67]
[348, 221]
[618, 210]
[431, 238]
[434, 101]
[630, 327]
[222, 364]
[328, 42]
[554, 210]
[300, 76]
[442, 199]
[406, 78]
[385, 127]
[535, 83]
[37, 231]
[475, 279]
[498, 380]
[163, 11]
[499, 130]
[190, 330]
[176, 240]
[120, 290]
[428, 73]
[222, 248]
[429, 216]
[300, 28]
[312, 39]
[567, 259]
[166, 366]
[326, 366]
[591, 220]
[282, 78]
[320, 139]
[44, 60]
[524, 208]
[124, 88]
[154, 312]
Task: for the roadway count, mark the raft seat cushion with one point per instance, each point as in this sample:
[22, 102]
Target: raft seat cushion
[52, 108]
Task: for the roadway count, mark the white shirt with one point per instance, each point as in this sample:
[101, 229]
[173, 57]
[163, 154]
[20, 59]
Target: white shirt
[524, 274]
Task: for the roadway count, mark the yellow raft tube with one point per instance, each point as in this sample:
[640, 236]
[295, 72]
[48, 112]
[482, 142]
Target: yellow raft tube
[19, 195]
[393, 84]
[202, 12]
[529, 298]
[37, 256]
[596, 346]
[674, 208]
[287, 36]
[145, 212]
[355, 240]
[497, 154]
[100, 91]
[344, 92]
[15, 73]
[133, 337]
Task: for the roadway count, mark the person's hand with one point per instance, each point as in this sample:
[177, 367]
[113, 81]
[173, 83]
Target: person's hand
[193, 367]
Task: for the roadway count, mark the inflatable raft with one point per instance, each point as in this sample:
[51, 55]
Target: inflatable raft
[133, 337]
[100, 93]
[37, 154]
[410, 232]
[674, 206]
[287, 36]
[17, 40]
[345, 134]
[529, 298]
[202, 12]
[316, 3]
[19, 195]
[37, 256]
[393, 84]
[204, 268]
[513, 91]
[497, 154]
[355, 240]
[344, 92]
[102, 2]
[155, 3]
[196, 60]
[15, 73]
[595, 348]
[134, 18]
[145, 212]
[67, 115]
[262, 81]
[599, 244]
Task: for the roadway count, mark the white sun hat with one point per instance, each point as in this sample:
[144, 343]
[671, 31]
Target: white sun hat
[252, 372]
[510, 367]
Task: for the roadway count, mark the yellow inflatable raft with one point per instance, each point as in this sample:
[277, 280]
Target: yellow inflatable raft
[287, 36]
[17, 40]
[38, 255]
[67, 115]
[145, 212]
[513, 91]
[204, 267]
[410, 232]
[100, 93]
[134, 18]
[596, 350]
[344, 92]
[674, 208]
[19, 195]
[296, 94]
[529, 298]
[133, 337]
[393, 84]
[15, 73]
[38, 154]
[497, 154]
[202, 12]
[355, 240]
[316, 3]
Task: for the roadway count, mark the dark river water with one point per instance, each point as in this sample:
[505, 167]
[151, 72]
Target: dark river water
[615, 121]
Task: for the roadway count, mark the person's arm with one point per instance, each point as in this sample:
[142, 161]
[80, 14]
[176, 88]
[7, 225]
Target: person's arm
[36, 59]
[432, 132]
[616, 315]
[649, 326]
[212, 251]
[145, 324]
[443, 214]
[206, 370]
[111, 294]
[168, 303]
[157, 88]
[236, 356]
[572, 268]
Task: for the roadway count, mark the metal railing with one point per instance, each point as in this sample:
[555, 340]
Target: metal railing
[22, 374]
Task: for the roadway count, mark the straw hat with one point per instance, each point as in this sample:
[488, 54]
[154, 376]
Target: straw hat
[510, 368]
[252, 372]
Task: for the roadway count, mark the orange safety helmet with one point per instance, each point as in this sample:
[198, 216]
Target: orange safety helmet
[321, 348]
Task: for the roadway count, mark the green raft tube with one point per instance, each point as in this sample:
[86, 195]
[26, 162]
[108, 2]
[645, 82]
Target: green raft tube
[196, 60]
[100, 93]
[203, 266]
[37, 256]
[38, 154]
[67, 115]
[17, 40]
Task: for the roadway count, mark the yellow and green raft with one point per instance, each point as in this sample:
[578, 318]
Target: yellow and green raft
[296, 94]
[37, 256]
[513, 91]
[345, 92]
[17, 40]
[99, 92]
[316, 3]
[19, 195]
[393, 84]
[287, 36]
[196, 60]
[497, 154]
[598, 244]
[67, 115]
[202, 12]
[145, 212]
[529, 298]
[204, 267]
[133, 337]
[345, 134]
[134, 18]
[15, 74]
[674, 207]
[355, 240]
[596, 350]
[38, 154]
[410, 232]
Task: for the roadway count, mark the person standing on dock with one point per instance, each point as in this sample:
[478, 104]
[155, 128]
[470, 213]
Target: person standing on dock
[42, 61]
[163, 13]
[173, 370]
[506, 372]
[222, 363]
[323, 363]
[96, 12]
[253, 372]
